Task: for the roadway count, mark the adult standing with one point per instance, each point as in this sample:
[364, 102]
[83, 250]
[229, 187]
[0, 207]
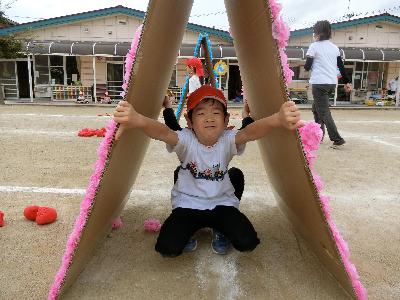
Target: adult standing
[323, 59]
[392, 86]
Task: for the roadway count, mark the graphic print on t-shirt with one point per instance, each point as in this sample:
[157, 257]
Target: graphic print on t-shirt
[216, 174]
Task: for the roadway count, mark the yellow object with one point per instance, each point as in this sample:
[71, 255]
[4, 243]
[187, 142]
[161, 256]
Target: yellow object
[369, 102]
[221, 68]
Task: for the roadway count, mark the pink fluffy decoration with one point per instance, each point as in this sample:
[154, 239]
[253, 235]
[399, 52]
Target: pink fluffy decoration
[311, 135]
[152, 225]
[117, 223]
[86, 206]
[281, 33]
[87, 203]
[130, 57]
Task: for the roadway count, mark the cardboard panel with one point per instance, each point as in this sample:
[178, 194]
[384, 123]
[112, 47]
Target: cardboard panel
[257, 53]
[150, 77]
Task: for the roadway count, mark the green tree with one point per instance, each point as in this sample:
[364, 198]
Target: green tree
[10, 47]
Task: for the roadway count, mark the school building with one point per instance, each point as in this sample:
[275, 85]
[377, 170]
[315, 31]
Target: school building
[85, 52]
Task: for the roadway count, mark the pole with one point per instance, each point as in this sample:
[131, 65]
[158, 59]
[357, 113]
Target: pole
[94, 80]
[30, 78]
[398, 90]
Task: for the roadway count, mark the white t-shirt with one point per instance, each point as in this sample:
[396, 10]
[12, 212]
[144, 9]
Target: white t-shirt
[393, 85]
[324, 67]
[194, 83]
[203, 180]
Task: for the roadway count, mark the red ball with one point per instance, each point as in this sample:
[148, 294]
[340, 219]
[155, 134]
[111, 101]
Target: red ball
[30, 212]
[46, 215]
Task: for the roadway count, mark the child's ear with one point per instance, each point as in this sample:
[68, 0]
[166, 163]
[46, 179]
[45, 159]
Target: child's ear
[227, 119]
[189, 123]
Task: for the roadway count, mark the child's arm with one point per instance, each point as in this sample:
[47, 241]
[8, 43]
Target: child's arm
[246, 118]
[169, 115]
[128, 117]
[287, 117]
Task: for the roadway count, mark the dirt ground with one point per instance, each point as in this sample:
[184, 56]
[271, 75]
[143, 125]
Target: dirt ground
[43, 162]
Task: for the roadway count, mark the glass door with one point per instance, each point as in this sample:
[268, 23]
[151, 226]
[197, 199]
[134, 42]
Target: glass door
[8, 79]
[115, 77]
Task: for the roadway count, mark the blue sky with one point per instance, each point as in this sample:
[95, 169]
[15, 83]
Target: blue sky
[297, 13]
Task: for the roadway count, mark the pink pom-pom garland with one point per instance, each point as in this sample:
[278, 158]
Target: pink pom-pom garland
[152, 225]
[85, 208]
[117, 223]
[311, 135]
[130, 58]
[281, 33]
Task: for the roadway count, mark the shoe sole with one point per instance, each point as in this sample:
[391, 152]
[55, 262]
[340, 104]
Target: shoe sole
[220, 253]
[191, 250]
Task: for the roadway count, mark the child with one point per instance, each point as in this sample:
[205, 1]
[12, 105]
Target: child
[194, 68]
[219, 244]
[81, 98]
[203, 195]
[106, 99]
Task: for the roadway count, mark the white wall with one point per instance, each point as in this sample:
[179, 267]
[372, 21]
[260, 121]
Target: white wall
[380, 34]
[117, 28]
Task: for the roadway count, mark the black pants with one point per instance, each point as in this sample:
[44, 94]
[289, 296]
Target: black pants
[184, 222]
[321, 111]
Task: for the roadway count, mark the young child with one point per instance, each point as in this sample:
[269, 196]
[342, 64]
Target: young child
[194, 67]
[106, 99]
[203, 195]
[219, 243]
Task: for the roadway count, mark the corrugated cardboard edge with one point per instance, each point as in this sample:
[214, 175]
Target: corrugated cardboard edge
[281, 151]
[123, 159]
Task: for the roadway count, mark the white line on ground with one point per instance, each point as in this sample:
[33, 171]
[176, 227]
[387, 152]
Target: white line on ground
[372, 138]
[80, 191]
[53, 116]
[370, 121]
[224, 271]
[37, 131]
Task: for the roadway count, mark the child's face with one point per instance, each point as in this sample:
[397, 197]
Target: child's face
[208, 121]
[189, 70]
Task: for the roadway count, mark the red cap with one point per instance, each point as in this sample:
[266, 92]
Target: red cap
[203, 92]
[196, 63]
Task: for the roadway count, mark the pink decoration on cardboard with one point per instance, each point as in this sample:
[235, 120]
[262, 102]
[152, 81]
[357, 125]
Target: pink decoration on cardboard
[87, 202]
[311, 135]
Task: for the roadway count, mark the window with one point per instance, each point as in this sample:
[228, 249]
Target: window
[57, 69]
[42, 69]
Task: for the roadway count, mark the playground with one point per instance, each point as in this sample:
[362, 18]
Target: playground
[44, 162]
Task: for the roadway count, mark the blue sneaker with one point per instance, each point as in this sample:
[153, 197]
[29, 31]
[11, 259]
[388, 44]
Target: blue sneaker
[191, 245]
[220, 244]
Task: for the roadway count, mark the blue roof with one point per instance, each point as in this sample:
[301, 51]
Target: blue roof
[345, 24]
[102, 13]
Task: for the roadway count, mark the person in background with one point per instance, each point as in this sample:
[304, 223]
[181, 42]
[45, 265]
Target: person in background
[194, 68]
[323, 59]
[392, 86]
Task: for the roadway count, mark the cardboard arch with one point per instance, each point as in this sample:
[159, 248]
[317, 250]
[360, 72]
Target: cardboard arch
[282, 153]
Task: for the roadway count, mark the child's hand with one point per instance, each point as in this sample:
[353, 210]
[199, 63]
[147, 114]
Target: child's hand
[289, 116]
[127, 116]
[167, 103]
